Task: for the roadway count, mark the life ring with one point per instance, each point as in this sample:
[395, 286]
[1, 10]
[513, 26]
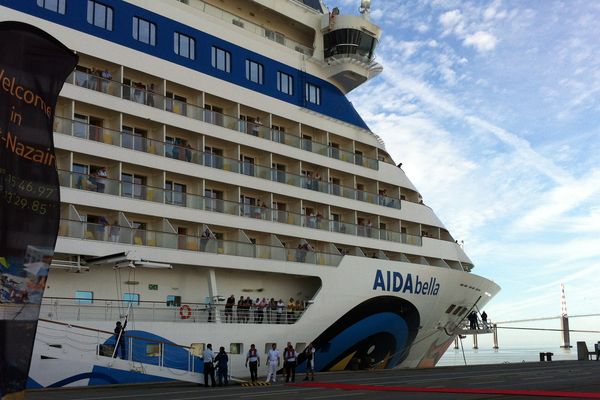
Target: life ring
[185, 312]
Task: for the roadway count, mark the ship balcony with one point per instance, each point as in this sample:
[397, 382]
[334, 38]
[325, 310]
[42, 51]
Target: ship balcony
[349, 44]
[139, 94]
[132, 236]
[127, 189]
[110, 310]
[191, 155]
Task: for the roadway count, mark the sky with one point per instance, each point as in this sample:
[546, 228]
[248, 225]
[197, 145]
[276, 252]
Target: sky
[493, 107]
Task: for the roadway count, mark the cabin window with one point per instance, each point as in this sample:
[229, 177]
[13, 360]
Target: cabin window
[313, 94]
[57, 6]
[197, 349]
[254, 72]
[285, 83]
[131, 298]
[184, 45]
[236, 348]
[100, 15]
[153, 350]
[173, 301]
[144, 31]
[221, 59]
[84, 297]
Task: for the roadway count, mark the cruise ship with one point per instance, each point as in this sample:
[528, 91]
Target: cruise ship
[206, 149]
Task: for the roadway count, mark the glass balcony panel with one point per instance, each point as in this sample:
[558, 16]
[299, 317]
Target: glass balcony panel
[277, 136]
[263, 172]
[292, 140]
[348, 193]
[229, 207]
[213, 161]
[233, 165]
[196, 202]
[320, 148]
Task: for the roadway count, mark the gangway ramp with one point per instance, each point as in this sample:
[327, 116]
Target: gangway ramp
[88, 352]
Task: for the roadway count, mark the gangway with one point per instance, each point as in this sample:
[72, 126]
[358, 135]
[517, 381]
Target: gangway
[88, 351]
[464, 330]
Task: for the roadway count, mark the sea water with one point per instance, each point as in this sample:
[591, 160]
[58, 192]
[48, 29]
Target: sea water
[503, 355]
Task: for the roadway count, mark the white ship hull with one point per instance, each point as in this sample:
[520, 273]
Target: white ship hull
[349, 320]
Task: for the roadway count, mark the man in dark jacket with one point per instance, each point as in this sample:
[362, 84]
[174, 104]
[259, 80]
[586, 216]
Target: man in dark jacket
[120, 339]
[222, 359]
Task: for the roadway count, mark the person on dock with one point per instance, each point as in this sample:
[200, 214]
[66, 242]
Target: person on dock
[273, 362]
[309, 352]
[253, 360]
[222, 359]
[289, 363]
[209, 369]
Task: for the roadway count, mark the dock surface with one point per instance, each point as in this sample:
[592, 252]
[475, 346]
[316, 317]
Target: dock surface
[547, 380]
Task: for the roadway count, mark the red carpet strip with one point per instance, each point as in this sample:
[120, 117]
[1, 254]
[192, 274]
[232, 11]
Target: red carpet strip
[508, 392]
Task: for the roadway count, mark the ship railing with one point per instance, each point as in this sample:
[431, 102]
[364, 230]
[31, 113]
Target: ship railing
[113, 187]
[186, 153]
[249, 26]
[138, 93]
[144, 237]
[74, 309]
[82, 340]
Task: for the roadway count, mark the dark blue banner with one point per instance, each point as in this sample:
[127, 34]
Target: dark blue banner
[33, 68]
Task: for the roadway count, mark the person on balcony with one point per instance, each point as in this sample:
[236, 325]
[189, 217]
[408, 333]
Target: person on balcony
[256, 126]
[229, 308]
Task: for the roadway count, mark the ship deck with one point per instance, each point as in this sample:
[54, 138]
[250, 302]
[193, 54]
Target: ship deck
[549, 380]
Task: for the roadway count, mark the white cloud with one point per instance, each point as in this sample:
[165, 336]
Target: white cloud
[482, 41]
[452, 22]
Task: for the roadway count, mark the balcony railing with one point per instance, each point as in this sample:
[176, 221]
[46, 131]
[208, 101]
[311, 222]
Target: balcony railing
[141, 95]
[165, 196]
[72, 309]
[131, 141]
[144, 237]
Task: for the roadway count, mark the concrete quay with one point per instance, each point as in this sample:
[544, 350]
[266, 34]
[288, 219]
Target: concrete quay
[547, 380]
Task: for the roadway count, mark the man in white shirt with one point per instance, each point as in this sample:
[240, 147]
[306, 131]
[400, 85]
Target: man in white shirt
[273, 361]
[209, 370]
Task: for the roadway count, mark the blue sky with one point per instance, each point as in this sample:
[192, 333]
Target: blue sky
[493, 109]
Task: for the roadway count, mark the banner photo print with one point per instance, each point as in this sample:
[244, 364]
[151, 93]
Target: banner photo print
[33, 68]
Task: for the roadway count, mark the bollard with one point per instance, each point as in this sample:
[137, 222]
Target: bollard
[549, 356]
[542, 357]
